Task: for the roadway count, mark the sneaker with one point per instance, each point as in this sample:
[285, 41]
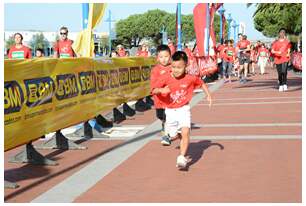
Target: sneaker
[181, 162]
[285, 88]
[165, 141]
[281, 88]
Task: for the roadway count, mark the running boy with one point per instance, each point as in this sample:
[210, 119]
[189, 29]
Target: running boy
[179, 86]
[158, 72]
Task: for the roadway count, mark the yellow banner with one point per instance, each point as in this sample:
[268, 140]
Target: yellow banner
[45, 95]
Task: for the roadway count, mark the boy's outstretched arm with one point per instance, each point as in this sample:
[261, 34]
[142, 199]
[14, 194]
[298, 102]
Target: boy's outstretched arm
[205, 88]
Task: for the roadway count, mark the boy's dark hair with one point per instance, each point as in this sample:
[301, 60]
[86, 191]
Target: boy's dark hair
[281, 29]
[226, 41]
[64, 28]
[163, 47]
[240, 34]
[41, 50]
[180, 55]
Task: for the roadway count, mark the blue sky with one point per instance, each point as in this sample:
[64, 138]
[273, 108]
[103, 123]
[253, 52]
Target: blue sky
[49, 17]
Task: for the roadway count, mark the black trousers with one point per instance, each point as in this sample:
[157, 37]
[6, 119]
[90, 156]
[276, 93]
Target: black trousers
[282, 73]
[160, 114]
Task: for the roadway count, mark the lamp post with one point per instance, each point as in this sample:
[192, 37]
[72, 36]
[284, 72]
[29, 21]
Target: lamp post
[164, 35]
[235, 25]
[221, 12]
[229, 20]
[109, 20]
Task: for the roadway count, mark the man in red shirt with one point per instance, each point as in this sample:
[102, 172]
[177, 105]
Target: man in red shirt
[281, 51]
[19, 51]
[63, 47]
[243, 48]
[179, 87]
[220, 57]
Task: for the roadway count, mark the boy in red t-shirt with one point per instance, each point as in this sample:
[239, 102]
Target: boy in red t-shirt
[158, 72]
[179, 86]
[281, 52]
[19, 51]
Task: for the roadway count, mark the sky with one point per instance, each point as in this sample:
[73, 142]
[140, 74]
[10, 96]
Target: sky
[51, 16]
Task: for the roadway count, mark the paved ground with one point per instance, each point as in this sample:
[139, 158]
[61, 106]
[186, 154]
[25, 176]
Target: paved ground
[246, 148]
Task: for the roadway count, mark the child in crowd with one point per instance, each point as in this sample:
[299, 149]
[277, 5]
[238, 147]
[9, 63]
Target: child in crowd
[159, 71]
[229, 58]
[179, 87]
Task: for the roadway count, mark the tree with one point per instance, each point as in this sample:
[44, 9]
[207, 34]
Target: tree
[269, 18]
[10, 42]
[39, 41]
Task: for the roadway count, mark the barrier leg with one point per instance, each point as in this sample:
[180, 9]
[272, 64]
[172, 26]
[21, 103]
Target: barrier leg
[118, 116]
[103, 122]
[59, 141]
[141, 106]
[30, 155]
[89, 131]
[10, 185]
[127, 110]
[149, 100]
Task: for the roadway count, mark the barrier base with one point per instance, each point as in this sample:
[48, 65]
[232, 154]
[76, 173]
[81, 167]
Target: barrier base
[127, 110]
[103, 122]
[149, 100]
[141, 106]
[10, 185]
[118, 116]
[89, 132]
[59, 141]
[30, 155]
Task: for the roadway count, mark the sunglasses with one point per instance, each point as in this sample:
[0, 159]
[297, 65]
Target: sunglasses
[63, 33]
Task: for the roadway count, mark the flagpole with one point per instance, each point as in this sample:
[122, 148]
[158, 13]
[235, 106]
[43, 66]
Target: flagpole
[85, 11]
[208, 28]
[179, 29]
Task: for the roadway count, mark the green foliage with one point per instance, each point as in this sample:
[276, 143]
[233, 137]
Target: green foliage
[39, 41]
[10, 42]
[132, 30]
[269, 18]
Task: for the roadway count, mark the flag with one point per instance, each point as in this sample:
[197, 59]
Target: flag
[203, 29]
[84, 44]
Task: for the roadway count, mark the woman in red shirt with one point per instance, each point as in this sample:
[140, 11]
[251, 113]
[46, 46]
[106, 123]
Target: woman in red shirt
[19, 51]
[281, 52]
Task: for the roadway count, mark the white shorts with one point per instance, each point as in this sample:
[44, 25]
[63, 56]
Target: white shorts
[176, 119]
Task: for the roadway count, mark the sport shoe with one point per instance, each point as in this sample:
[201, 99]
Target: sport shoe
[285, 88]
[165, 141]
[281, 88]
[181, 162]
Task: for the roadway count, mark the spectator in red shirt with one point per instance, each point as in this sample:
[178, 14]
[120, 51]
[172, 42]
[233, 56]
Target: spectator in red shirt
[229, 58]
[179, 87]
[19, 51]
[281, 51]
[121, 51]
[157, 73]
[63, 47]
[243, 47]
[143, 51]
[262, 56]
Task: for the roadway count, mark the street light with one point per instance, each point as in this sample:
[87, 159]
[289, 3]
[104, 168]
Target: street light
[221, 12]
[229, 20]
[235, 25]
[164, 35]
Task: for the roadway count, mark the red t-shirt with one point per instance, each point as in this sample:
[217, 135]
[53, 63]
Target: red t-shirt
[19, 53]
[243, 44]
[263, 52]
[220, 50]
[283, 47]
[142, 53]
[64, 48]
[181, 90]
[157, 73]
[229, 54]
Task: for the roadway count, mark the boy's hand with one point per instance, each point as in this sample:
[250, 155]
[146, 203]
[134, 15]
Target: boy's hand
[164, 90]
